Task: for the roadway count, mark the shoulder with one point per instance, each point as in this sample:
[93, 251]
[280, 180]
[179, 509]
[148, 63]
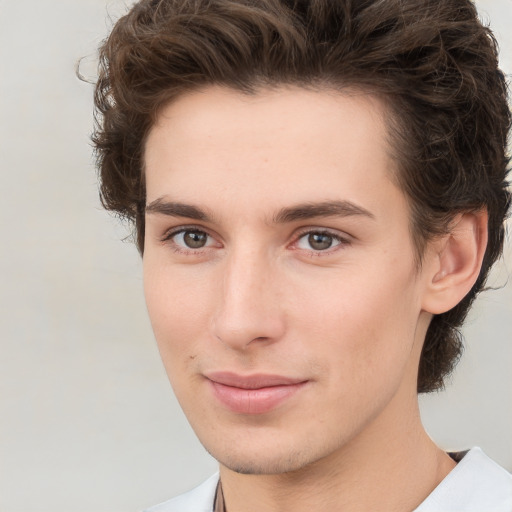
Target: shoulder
[477, 483]
[199, 499]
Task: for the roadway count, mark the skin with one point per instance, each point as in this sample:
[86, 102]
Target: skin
[259, 298]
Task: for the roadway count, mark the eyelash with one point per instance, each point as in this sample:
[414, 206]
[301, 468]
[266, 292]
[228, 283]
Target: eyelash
[341, 241]
[169, 235]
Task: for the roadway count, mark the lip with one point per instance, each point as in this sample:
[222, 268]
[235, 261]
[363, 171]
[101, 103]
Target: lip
[253, 394]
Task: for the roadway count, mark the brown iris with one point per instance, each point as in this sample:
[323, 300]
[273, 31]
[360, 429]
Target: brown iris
[320, 241]
[195, 239]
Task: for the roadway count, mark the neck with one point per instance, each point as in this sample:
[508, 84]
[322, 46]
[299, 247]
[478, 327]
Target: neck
[392, 465]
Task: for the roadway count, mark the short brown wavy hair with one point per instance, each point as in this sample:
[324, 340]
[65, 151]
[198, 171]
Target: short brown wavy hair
[432, 61]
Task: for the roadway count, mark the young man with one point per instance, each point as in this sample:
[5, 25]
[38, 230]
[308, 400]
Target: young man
[318, 191]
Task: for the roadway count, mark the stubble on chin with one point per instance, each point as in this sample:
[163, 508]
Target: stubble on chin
[275, 462]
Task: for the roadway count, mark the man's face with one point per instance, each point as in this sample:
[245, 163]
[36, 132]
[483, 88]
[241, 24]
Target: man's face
[280, 275]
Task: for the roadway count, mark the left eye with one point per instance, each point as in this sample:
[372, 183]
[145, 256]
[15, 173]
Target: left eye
[318, 241]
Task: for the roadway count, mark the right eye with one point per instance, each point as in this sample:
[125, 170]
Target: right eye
[190, 239]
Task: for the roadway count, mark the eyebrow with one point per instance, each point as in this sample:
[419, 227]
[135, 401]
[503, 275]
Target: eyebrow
[323, 209]
[285, 215]
[173, 209]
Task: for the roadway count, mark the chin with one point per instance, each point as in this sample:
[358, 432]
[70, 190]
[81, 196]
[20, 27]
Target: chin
[273, 462]
[264, 466]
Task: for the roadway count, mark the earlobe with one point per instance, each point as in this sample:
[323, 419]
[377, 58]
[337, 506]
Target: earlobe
[455, 262]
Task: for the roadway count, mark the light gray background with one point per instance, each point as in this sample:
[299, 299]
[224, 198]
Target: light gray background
[87, 419]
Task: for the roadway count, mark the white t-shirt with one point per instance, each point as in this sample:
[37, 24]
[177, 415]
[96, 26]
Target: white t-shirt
[476, 484]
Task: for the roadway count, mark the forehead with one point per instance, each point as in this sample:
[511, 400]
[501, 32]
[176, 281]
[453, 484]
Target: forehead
[287, 144]
[293, 114]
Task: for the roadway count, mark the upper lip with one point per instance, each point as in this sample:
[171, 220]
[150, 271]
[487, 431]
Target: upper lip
[254, 381]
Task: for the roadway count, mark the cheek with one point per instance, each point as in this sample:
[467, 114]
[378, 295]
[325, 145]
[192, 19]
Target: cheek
[364, 326]
[178, 313]
[178, 306]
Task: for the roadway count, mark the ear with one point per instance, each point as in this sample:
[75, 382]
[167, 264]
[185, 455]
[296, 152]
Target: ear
[454, 262]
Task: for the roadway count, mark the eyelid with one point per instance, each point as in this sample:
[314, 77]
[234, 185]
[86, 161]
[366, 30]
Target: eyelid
[184, 227]
[344, 239]
[172, 232]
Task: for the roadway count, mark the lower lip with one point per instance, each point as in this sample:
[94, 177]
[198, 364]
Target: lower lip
[254, 401]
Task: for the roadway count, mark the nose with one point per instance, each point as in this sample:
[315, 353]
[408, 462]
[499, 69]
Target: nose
[250, 307]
